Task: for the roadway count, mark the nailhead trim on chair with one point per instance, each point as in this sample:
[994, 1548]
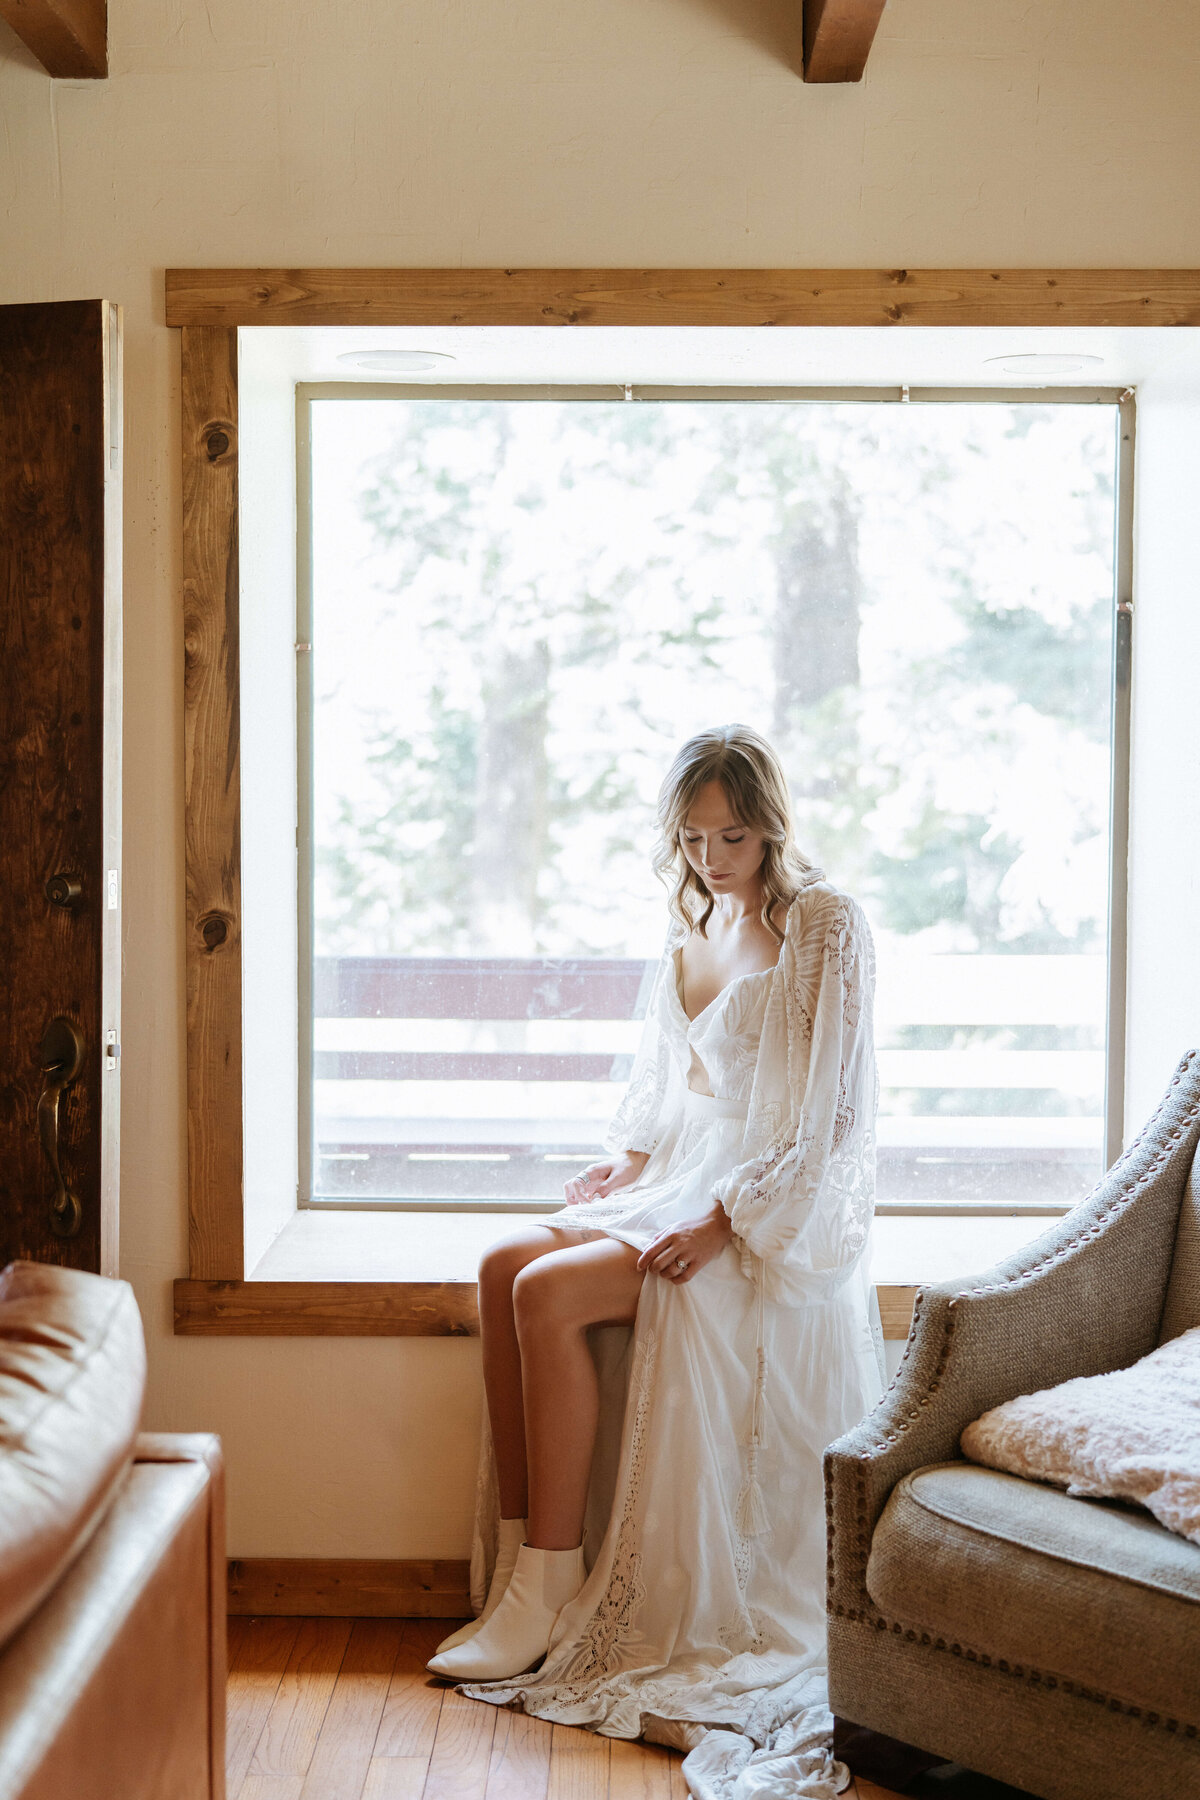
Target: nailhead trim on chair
[863, 1537]
[1119, 1205]
[1020, 1671]
[1094, 1228]
[867, 1614]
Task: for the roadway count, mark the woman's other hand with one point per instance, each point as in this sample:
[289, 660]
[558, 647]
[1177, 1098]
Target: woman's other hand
[601, 1178]
[692, 1244]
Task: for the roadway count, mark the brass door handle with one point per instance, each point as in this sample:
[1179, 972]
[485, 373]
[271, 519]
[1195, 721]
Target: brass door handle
[62, 1059]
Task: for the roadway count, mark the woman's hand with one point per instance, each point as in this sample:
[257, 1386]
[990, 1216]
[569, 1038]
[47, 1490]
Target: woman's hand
[601, 1178]
[692, 1244]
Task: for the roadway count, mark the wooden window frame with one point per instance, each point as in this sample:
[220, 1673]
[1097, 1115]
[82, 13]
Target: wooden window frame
[209, 306]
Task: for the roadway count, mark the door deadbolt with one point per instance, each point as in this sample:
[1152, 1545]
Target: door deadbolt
[64, 890]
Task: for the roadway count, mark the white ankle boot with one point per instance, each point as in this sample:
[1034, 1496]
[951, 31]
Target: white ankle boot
[512, 1536]
[518, 1632]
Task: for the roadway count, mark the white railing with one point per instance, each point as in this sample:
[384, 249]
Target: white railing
[508, 1088]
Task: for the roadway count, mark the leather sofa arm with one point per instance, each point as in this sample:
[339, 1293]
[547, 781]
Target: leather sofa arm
[204, 1447]
[180, 1446]
[1085, 1297]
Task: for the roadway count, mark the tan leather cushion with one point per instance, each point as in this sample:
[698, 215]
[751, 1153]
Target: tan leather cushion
[72, 1376]
[1081, 1590]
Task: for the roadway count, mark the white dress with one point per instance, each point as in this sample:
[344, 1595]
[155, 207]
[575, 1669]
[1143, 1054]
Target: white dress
[702, 1621]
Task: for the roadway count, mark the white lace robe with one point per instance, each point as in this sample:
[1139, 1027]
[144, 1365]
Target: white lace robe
[701, 1623]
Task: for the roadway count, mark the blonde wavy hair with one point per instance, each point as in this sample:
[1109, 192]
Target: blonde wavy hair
[756, 788]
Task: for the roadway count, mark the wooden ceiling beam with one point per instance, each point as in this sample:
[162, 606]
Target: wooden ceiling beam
[68, 37]
[838, 35]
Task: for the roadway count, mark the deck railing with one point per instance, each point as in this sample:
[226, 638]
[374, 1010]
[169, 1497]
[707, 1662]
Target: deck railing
[481, 1078]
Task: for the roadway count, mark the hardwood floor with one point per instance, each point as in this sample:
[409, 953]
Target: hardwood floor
[343, 1709]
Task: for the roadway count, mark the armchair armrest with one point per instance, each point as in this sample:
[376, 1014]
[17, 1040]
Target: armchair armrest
[1085, 1297]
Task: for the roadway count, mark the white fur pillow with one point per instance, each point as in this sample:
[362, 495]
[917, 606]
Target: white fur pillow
[1131, 1435]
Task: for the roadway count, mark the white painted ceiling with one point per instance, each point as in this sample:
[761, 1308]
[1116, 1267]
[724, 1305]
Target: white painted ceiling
[698, 356]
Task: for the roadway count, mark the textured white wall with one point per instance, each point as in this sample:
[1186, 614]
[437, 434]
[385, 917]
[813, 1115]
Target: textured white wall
[551, 132]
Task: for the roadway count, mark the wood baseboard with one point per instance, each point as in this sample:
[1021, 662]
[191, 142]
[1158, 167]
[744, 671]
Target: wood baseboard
[352, 1588]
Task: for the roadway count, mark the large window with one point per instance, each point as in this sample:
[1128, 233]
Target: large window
[515, 607]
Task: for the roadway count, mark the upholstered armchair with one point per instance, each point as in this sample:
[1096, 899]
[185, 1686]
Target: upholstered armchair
[1049, 1641]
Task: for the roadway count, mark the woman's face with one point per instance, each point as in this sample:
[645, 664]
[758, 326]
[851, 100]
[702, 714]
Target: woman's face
[724, 854]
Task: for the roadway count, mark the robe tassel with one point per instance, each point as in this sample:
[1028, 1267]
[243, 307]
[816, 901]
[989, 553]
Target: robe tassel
[751, 1515]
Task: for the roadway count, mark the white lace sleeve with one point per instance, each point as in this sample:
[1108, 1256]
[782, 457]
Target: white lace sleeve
[802, 1207]
[638, 1121]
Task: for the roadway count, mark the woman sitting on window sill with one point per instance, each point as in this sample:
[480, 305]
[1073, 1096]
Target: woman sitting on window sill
[728, 1226]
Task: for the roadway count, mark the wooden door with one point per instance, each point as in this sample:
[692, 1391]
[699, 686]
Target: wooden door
[60, 732]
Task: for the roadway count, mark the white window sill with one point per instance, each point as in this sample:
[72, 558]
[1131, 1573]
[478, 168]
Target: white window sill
[393, 1274]
[334, 1245]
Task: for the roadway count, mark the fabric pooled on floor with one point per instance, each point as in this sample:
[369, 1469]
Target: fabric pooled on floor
[1133, 1435]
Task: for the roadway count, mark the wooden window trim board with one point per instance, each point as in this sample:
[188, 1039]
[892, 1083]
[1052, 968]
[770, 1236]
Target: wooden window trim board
[209, 305]
[212, 802]
[377, 1309]
[228, 298]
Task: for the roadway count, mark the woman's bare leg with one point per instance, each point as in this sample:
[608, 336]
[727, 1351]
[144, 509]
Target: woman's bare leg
[498, 1270]
[555, 1299]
